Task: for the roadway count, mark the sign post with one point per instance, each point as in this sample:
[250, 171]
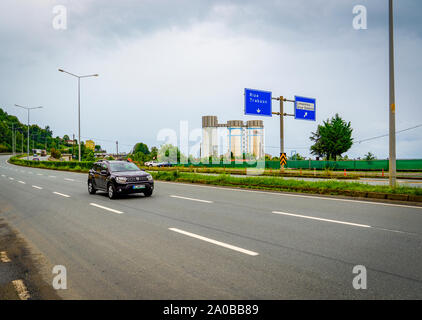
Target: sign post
[258, 103]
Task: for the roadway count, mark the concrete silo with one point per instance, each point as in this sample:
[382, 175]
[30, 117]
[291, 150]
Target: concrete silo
[255, 138]
[209, 146]
[236, 141]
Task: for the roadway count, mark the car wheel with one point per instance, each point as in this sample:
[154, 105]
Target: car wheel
[111, 191]
[91, 188]
[148, 193]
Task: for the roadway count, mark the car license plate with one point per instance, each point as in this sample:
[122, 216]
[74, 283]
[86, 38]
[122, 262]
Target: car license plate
[142, 186]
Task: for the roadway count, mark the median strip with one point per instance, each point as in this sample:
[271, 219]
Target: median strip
[61, 194]
[105, 208]
[191, 199]
[218, 243]
[322, 219]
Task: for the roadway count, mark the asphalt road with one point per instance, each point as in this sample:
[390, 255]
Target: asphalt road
[203, 242]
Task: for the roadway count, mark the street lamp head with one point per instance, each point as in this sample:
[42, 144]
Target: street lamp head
[61, 70]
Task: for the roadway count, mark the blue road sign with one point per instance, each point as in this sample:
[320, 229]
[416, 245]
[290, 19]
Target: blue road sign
[305, 108]
[258, 103]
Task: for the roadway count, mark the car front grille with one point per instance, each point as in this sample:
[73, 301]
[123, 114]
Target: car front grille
[136, 179]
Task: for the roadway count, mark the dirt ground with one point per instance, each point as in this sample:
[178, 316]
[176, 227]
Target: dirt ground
[20, 265]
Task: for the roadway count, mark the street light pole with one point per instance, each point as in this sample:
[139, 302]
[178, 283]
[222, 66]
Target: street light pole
[79, 105]
[392, 106]
[27, 109]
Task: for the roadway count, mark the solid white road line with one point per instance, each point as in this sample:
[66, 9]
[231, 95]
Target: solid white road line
[67, 179]
[321, 219]
[191, 199]
[21, 182]
[218, 243]
[36, 187]
[294, 195]
[21, 289]
[105, 208]
[3, 257]
[61, 194]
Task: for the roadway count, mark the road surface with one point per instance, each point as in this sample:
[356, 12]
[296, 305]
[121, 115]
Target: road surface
[204, 242]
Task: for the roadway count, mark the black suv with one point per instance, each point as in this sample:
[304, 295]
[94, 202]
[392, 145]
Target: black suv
[119, 177]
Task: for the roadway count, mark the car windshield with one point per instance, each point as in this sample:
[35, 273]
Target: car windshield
[123, 166]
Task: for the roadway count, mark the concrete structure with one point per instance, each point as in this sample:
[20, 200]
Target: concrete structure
[90, 144]
[241, 138]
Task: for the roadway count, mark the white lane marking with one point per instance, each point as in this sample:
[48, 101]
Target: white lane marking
[51, 176]
[105, 208]
[11, 178]
[4, 257]
[293, 195]
[29, 172]
[191, 199]
[69, 179]
[36, 187]
[39, 174]
[322, 219]
[21, 182]
[21, 289]
[3, 175]
[61, 194]
[218, 243]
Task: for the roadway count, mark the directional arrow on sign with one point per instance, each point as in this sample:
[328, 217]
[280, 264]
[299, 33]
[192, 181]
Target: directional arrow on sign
[258, 110]
[305, 114]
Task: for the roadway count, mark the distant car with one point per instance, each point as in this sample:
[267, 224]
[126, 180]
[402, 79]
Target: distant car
[151, 163]
[36, 159]
[119, 177]
[164, 164]
[35, 155]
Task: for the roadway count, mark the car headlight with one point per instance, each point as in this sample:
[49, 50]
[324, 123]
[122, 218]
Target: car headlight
[121, 179]
[149, 177]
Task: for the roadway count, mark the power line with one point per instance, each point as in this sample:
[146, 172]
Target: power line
[386, 135]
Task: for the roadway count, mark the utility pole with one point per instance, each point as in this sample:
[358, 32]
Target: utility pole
[282, 114]
[392, 106]
[73, 144]
[79, 105]
[281, 126]
[117, 149]
[27, 109]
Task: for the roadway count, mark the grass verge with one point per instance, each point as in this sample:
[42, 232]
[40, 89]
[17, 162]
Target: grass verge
[330, 187]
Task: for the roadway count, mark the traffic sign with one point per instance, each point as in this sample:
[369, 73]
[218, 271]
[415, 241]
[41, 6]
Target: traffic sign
[258, 103]
[283, 160]
[305, 108]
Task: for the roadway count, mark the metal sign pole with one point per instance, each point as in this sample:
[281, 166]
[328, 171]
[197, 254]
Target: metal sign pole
[281, 126]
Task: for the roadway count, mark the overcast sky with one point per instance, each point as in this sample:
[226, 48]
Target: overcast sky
[161, 62]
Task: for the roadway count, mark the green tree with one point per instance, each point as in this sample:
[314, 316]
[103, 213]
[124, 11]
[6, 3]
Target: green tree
[369, 156]
[141, 147]
[332, 138]
[56, 154]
